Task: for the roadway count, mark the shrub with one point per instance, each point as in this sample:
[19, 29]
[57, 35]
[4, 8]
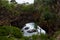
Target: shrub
[10, 31]
[43, 37]
[6, 38]
[26, 38]
[35, 37]
[3, 38]
[16, 32]
[4, 31]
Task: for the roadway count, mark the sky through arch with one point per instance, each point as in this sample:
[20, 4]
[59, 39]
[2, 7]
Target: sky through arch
[24, 1]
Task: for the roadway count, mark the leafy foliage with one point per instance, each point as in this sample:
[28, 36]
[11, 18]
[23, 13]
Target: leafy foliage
[27, 8]
[6, 38]
[46, 13]
[13, 33]
[10, 31]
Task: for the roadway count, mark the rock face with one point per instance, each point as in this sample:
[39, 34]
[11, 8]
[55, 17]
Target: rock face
[58, 37]
[8, 17]
[26, 17]
[29, 30]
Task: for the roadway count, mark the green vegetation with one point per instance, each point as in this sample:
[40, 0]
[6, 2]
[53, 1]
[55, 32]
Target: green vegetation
[6, 38]
[45, 13]
[10, 31]
[13, 33]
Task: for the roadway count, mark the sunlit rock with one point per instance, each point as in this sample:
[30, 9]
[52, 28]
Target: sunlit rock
[29, 30]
